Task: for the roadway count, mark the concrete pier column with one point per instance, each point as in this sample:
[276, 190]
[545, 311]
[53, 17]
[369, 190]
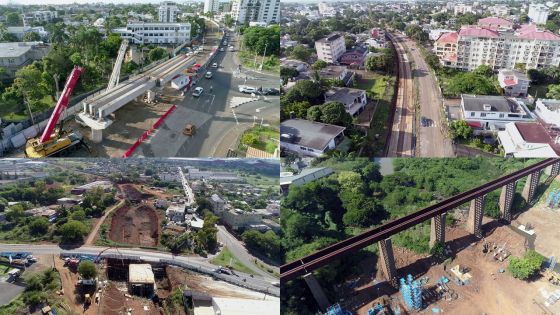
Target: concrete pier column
[506, 200]
[474, 222]
[387, 260]
[531, 186]
[96, 135]
[317, 291]
[437, 232]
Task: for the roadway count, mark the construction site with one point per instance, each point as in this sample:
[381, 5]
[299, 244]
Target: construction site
[471, 273]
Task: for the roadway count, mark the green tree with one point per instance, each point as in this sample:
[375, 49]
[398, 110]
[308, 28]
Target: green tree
[78, 215]
[73, 231]
[31, 37]
[250, 139]
[335, 113]
[38, 226]
[471, 83]
[13, 19]
[484, 70]
[258, 39]
[300, 52]
[553, 91]
[228, 20]
[349, 41]
[87, 269]
[319, 65]
[314, 113]
[156, 54]
[287, 73]
[529, 265]
[57, 33]
[460, 129]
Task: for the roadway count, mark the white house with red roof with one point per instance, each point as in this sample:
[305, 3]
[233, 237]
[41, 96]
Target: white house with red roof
[513, 82]
[498, 47]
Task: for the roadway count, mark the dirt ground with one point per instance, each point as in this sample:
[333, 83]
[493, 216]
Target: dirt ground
[73, 300]
[546, 223]
[115, 301]
[139, 225]
[489, 292]
[132, 193]
[196, 282]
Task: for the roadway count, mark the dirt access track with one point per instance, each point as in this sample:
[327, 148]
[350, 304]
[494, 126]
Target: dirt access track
[132, 193]
[138, 225]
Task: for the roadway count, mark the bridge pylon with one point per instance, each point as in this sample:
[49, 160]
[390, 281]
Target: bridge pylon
[474, 221]
[531, 186]
[387, 260]
[506, 200]
[437, 230]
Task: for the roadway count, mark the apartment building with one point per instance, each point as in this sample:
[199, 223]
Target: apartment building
[330, 48]
[246, 11]
[473, 46]
[326, 10]
[211, 6]
[167, 12]
[155, 33]
[39, 16]
[462, 9]
[538, 13]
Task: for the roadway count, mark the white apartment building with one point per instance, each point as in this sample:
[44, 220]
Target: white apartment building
[330, 48]
[473, 46]
[156, 33]
[246, 11]
[211, 6]
[39, 16]
[167, 12]
[326, 10]
[499, 10]
[538, 13]
[549, 111]
[462, 9]
[20, 31]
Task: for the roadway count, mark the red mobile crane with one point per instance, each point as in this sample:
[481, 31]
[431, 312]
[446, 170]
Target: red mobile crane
[56, 140]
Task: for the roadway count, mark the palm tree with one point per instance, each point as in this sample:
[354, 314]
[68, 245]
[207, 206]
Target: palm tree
[58, 34]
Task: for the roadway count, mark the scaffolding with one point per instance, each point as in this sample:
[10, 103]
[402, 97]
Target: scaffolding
[411, 292]
[553, 200]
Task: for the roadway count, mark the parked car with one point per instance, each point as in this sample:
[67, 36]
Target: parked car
[247, 89]
[222, 49]
[424, 122]
[271, 91]
[197, 91]
[214, 65]
[208, 75]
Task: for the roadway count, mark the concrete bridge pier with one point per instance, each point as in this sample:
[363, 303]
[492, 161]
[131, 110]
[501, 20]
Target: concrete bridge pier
[474, 221]
[96, 135]
[317, 291]
[387, 260]
[506, 200]
[437, 232]
[531, 186]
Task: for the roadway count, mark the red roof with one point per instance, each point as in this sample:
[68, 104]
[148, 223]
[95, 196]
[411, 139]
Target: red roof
[450, 57]
[478, 32]
[494, 21]
[474, 124]
[538, 35]
[533, 132]
[451, 37]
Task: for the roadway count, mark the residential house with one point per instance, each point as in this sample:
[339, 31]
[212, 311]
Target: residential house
[309, 138]
[336, 73]
[493, 112]
[529, 140]
[514, 82]
[355, 56]
[354, 100]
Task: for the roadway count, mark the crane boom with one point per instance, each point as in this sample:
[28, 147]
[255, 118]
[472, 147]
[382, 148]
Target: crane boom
[114, 79]
[62, 103]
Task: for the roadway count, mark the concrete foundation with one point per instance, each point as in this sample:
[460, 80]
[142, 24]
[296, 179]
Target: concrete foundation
[506, 200]
[437, 232]
[387, 260]
[96, 135]
[317, 291]
[474, 222]
[531, 186]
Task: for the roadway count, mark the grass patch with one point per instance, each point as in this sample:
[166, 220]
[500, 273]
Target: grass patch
[262, 138]
[380, 88]
[270, 63]
[227, 259]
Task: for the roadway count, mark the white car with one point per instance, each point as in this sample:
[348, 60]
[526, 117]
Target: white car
[208, 75]
[222, 49]
[197, 91]
[247, 89]
[214, 65]
[231, 48]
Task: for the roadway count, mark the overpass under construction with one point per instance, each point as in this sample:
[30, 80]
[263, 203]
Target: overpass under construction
[436, 213]
[98, 107]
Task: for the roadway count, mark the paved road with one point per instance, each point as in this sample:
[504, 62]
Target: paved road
[218, 127]
[146, 255]
[433, 139]
[238, 250]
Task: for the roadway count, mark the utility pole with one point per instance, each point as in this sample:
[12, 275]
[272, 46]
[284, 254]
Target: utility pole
[264, 54]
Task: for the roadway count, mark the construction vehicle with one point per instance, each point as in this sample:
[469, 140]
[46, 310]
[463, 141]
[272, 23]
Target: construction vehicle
[55, 140]
[552, 276]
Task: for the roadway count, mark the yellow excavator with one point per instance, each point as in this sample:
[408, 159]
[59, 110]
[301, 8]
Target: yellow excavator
[55, 140]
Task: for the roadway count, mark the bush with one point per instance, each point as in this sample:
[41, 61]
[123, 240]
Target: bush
[529, 265]
[73, 231]
[38, 226]
[87, 269]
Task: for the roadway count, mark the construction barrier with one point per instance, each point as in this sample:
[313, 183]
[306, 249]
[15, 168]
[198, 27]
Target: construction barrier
[145, 135]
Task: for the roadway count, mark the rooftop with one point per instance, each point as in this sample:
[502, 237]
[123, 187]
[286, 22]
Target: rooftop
[480, 103]
[16, 49]
[308, 133]
[140, 273]
[330, 38]
[451, 37]
[492, 20]
[306, 175]
[229, 306]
